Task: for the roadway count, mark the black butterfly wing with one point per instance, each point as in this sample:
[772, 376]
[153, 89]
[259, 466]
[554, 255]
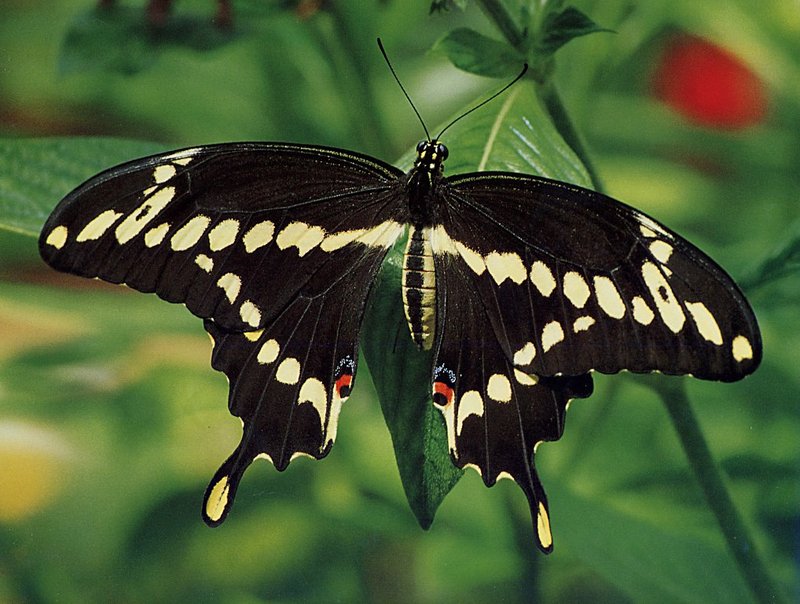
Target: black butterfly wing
[276, 246]
[288, 381]
[234, 231]
[495, 414]
[574, 281]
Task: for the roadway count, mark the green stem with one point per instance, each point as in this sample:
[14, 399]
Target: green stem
[709, 476]
[495, 10]
[349, 20]
[558, 113]
[498, 14]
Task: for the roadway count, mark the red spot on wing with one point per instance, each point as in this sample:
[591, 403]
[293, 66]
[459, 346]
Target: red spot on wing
[342, 385]
[444, 392]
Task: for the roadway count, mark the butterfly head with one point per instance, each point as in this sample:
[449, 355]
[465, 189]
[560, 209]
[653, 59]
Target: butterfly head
[430, 157]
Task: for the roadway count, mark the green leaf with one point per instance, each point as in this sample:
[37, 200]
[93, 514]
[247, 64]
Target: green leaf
[561, 27]
[402, 377]
[475, 53]
[513, 134]
[119, 39]
[36, 173]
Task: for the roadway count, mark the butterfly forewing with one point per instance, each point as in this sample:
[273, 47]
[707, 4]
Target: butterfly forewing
[233, 231]
[574, 281]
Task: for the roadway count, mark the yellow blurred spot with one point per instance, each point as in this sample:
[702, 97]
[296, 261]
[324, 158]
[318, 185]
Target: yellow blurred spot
[32, 460]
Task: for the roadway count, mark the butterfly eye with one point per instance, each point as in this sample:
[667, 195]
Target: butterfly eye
[442, 151]
[421, 145]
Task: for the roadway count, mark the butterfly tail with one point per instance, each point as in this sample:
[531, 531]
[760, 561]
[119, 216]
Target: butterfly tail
[221, 491]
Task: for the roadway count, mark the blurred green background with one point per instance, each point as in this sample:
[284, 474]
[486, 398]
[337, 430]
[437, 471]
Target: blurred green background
[112, 422]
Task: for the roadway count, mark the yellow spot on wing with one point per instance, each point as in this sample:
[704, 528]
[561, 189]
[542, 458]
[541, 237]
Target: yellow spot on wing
[163, 173]
[504, 266]
[300, 235]
[543, 527]
[525, 355]
[542, 278]
[470, 403]
[641, 311]
[741, 349]
[98, 226]
[499, 388]
[666, 303]
[313, 391]
[288, 371]
[608, 297]
[526, 379]
[651, 226]
[269, 351]
[705, 322]
[258, 236]
[204, 262]
[448, 411]
[254, 335]
[582, 323]
[472, 258]
[576, 289]
[250, 314]
[57, 237]
[136, 221]
[217, 500]
[661, 250]
[231, 284]
[552, 334]
[156, 235]
[223, 234]
[382, 236]
[189, 234]
[336, 241]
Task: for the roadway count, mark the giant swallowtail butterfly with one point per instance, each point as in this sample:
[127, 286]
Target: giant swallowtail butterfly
[520, 286]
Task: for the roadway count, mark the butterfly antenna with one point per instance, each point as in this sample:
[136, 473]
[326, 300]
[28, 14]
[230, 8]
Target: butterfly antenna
[491, 98]
[399, 83]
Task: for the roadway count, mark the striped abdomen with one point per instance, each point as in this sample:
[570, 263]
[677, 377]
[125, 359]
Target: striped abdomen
[419, 288]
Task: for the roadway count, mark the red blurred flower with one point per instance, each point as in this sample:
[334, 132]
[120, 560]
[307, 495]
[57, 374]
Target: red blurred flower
[708, 84]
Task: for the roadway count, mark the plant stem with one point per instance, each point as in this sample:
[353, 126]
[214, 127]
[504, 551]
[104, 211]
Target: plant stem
[709, 476]
[558, 113]
[349, 19]
[498, 14]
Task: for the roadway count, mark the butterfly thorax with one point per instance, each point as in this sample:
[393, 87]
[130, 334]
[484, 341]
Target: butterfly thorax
[423, 180]
[419, 276]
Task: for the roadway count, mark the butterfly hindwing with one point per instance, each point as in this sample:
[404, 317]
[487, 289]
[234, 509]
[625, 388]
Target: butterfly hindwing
[575, 281]
[288, 380]
[233, 231]
[495, 414]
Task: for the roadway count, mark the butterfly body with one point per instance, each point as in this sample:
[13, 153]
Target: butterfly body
[519, 286]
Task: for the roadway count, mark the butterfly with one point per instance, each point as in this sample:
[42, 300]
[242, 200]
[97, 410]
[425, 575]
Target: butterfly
[520, 287]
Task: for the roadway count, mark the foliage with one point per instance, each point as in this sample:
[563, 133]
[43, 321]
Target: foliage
[111, 420]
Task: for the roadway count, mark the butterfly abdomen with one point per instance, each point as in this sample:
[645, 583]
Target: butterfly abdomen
[419, 288]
